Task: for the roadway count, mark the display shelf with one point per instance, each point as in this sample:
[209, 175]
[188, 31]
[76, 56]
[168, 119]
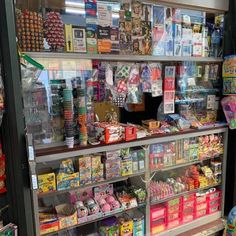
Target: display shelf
[184, 164]
[183, 193]
[109, 57]
[93, 221]
[194, 224]
[58, 153]
[108, 181]
[206, 229]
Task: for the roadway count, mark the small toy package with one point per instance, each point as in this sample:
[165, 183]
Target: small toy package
[229, 107]
[97, 169]
[49, 223]
[84, 166]
[112, 163]
[87, 206]
[106, 199]
[67, 215]
[47, 182]
[109, 227]
[126, 199]
[68, 181]
[140, 194]
[126, 225]
[67, 177]
[138, 223]
[127, 166]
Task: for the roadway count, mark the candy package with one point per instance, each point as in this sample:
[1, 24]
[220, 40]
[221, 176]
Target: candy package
[229, 108]
[146, 78]
[134, 93]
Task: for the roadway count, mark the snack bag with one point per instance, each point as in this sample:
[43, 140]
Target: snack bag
[30, 71]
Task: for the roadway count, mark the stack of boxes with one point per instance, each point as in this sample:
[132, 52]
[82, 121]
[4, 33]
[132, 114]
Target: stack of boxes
[183, 210]
[157, 219]
[84, 166]
[188, 202]
[112, 163]
[173, 214]
[97, 169]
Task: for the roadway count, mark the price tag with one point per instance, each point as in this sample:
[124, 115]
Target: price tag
[34, 182]
[31, 153]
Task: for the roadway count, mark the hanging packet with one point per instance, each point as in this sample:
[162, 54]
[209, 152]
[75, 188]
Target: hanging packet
[156, 79]
[30, 71]
[134, 93]
[146, 83]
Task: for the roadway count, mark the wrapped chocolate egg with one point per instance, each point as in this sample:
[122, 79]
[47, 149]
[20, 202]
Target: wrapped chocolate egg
[110, 199]
[82, 212]
[93, 209]
[115, 205]
[89, 202]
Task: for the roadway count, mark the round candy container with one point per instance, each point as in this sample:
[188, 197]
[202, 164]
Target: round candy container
[93, 209]
[82, 212]
[115, 205]
[89, 202]
[79, 204]
[109, 226]
[106, 207]
[101, 201]
[110, 199]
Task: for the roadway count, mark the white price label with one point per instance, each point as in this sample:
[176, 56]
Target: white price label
[31, 153]
[34, 182]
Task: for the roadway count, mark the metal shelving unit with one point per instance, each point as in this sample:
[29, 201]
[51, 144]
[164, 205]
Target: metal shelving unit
[45, 155]
[132, 58]
[39, 157]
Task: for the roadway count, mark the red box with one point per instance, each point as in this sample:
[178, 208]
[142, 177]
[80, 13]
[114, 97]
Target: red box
[108, 133]
[213, 209]
[49, 227]
[200, 213]
[200, 199]
[130, 133]
[174, 223]
[187, 218]
[157, 219]
[157, 212]
[189, 197]
[201, 206]
[214, 195]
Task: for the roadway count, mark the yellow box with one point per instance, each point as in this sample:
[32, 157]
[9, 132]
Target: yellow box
[126, 228]
[151, 124]
[157, 229]
[69, 38]
[66, 181]
[47, 182]
[68, 221]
